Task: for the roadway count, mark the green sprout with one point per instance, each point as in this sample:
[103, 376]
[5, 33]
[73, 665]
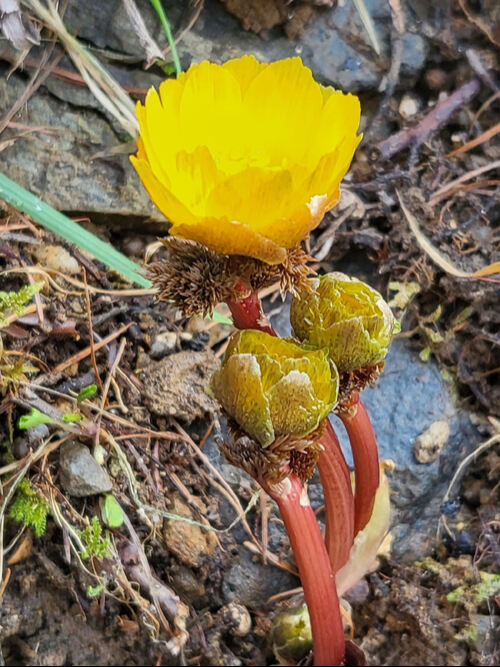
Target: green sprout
[96, 544]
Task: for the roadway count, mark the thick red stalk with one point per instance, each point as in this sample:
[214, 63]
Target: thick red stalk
[339, 499]
[316, 573]
[315, 569]
[247, 312]
[366, 462]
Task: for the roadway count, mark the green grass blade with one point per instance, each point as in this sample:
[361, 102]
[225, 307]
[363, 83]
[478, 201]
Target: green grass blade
[158, 7]
[71, 231]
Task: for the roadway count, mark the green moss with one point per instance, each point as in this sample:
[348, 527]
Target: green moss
[96, 544]
[477, 593]
[15, 302]
[468, 634]
[29, 508]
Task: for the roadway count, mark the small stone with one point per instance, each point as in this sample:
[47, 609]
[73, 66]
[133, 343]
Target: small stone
[81, 475]
[163, 344]
[248, 582]
[236, 618]
[176, 386]
[191, 544]
[409, 106]
[429, 445]
[186, 583]
[20, 447]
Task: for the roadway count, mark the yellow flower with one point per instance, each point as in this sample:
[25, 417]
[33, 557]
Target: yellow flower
[272, 386]
[246, 157]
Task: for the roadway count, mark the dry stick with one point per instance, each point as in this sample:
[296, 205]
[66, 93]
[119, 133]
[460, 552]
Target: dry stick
[91, 331]
[85, 353]
[477, 141]
[417, 134]
[222, 482]
[438, 194]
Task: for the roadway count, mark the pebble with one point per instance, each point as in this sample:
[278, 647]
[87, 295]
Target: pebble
[429, 445]
[237, 619]
[409, 106]
[80, 473]
[163, 344]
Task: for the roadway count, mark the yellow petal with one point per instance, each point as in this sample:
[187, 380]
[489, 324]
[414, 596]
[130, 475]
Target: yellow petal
[194, 178]
[152, 129]
[244, 70]
[231, 238]
[169, 205]
[339, 118]
[210, 109]
[282, 104]
[253, 197]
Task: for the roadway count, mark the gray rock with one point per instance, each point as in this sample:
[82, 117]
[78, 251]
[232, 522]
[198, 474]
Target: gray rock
[81, 475]
[334, 44]
[62, 168]
[163, 344]
[410, 396]
[59, 167]
[249, 582]
[415, 49]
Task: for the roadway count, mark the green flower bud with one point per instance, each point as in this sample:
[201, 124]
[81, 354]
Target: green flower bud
[348, 317]
[291, 635]
[272, 386]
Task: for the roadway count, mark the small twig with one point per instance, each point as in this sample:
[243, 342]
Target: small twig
[148, 509]
[477, 141]
[144, 291]
[264, 519]
[417, 134]
[106, 386]
[462, 468]
[91, 332]
[438, 194]
[76, 358]
[479, 23]
[14, 482]
[284, 594]
[483, 108]
[283, 565]
[438, 258]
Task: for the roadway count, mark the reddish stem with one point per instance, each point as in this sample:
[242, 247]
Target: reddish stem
[366, 462]
[316, 574]
[315, 570]
[247, 311]
[339, 499]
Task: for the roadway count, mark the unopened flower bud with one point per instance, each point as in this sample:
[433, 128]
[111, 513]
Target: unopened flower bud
[273, 387]
[291, 635]
[348, 317]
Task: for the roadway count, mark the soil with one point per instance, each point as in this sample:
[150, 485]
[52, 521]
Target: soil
[61, 610]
